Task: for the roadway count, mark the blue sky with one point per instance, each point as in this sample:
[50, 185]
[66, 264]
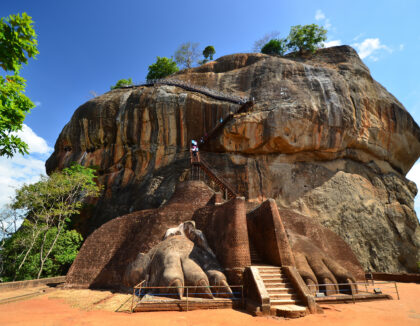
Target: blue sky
[86, 46]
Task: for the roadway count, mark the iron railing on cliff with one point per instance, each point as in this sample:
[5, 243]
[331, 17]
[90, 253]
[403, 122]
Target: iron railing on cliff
[194, 88]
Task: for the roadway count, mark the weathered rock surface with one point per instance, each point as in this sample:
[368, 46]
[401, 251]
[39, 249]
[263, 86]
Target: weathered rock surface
[323, 139]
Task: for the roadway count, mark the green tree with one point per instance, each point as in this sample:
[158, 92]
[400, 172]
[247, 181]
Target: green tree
[49, 205]
[187, 54]
[258, 44]
[161, 68]
[122, 82]
[306, 38]
[208, 53]
[275, 46]
[18, 43]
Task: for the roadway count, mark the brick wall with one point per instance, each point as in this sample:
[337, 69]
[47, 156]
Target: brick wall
[226, 231]
[267, 232]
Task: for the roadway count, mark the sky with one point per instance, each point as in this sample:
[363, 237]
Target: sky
[86, 46]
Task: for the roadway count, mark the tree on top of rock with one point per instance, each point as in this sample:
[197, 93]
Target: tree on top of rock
[122, 83]
[208, 53]
[306, 38]
[258, 44]
[187, 54]
[275, 46]
[161, 68]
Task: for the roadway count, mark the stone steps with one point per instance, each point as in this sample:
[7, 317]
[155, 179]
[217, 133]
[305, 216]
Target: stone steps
[278, 287]
[255, 257]
[280, 290]
[284, 301]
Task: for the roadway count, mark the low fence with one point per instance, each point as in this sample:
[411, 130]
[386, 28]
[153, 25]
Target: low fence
[365, 290]
[396, 277]
[7, 286]
[171, 292]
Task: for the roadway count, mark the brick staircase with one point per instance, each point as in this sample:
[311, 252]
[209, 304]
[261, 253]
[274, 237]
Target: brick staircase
[255, 257]
[284, 301]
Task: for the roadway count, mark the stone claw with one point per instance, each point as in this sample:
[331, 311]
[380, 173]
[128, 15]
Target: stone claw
[352, 286]
[331, 287]
[224, 291]
[179, 287]
[204, 290]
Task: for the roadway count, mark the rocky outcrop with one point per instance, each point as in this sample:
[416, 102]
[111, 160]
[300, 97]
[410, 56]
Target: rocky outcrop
[322, 138]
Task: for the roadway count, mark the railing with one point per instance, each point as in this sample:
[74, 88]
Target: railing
[364, 289]
[201, 89]
[227, 189]
[198, 164]
[189, 291]
[224, 121]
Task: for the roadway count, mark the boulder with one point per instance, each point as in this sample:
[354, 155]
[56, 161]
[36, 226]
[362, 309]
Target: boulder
[322, 138]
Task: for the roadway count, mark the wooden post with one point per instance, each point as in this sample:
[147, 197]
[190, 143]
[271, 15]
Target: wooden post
[396, 289]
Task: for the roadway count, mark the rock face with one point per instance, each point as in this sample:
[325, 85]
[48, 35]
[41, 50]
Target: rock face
[322, 138]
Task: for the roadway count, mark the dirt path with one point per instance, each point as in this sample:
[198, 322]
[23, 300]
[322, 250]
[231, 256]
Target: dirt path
[63, 307]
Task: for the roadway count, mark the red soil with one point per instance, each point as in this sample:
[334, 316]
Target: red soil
[49, 312]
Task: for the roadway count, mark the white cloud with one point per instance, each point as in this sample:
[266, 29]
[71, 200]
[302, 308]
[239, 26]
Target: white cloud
[319, 15]
[19, 169]
[358, 36]
[37, 103]
[332, 43]
[370, 46]
[36, 144]
[414, 175]
[327, 24]
[401, 47]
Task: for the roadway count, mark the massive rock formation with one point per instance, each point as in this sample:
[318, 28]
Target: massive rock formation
[322, 138]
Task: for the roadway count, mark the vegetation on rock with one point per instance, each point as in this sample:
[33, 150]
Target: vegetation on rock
[208, 53]
[161, 68]
[45, 244]
[187, 54]
[305, 38]
[275, 46]
[122, 82]
[18, 43]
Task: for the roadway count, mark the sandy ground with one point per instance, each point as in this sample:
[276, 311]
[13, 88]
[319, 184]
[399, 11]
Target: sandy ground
[84, 307]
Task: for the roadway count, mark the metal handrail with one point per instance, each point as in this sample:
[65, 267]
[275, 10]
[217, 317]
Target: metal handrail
[213, 175]
[363, 284]
[186, 85]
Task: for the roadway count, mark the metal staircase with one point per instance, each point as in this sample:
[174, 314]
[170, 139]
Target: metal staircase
[198, 164]
[243, 108]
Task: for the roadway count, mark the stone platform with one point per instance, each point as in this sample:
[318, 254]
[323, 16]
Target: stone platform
[155, 303]
[345, 298]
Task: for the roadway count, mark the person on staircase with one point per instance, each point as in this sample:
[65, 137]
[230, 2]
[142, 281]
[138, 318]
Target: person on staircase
[194, 151]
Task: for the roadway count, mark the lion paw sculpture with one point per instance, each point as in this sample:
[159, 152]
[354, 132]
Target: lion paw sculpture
[182, 258]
